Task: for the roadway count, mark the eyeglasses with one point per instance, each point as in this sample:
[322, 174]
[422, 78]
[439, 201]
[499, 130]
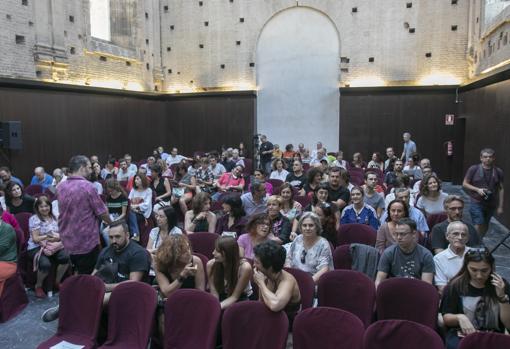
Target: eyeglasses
[303, 256]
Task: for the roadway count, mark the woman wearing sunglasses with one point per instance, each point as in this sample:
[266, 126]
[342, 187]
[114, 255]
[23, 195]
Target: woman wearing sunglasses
[309, 251]
[477, 299]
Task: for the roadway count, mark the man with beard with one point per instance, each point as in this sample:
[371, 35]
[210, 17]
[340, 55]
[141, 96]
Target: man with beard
[122, 260]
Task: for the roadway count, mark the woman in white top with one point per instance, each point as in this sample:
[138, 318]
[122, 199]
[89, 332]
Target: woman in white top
[432, 198]
[229, 274]
[141, 196]
[279, 171]
[166, 219]
[309, 251]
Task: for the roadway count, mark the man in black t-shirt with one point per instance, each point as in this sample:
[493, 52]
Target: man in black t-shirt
[297, 177]
[266, 154]
[337, 187]
[122, 260]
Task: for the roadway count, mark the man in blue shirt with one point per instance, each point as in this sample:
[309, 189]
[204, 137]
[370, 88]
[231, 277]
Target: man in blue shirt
[41, 178]
[6, 176]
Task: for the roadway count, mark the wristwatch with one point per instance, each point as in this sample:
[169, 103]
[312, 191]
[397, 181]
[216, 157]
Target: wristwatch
[504, 299]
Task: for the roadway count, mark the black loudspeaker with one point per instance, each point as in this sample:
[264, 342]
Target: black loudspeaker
[11, 135]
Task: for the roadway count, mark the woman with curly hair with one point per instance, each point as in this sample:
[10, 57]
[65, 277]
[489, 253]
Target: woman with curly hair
[177, 267]
[431, 198]
[229, 274]
[200, 218]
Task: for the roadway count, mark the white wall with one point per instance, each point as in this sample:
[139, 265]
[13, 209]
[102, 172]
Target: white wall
[298, 60]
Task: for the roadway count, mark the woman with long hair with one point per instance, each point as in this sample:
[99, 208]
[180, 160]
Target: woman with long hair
[200, 218]
[477, 299]
[166, 220]
[161, 186]
[431, 198]
[357, 161]
[116, 203]
[258, 230]
[183, 187]
[397, 210]
[290, 208]
[228, 273]
[233, 218]
[327, 213]
[313, 180]
[279, 171]
[376, 161]
[16, 200]
[95, 176]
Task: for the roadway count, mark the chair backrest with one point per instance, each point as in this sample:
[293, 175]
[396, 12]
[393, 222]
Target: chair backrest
[203, 242]
[248, 166]
[23, 218]
[356, 233]
[433, 219]
[33, 189]
[306, 286]
[400, 334]
[327, 328]
[81, 300]
[304, 200]
[191, 320]
[276, 183]
[51, 195]
[131, 312]
[348, 290]
[342, 258]
[267, 329]
[404, 299]
[485, 340]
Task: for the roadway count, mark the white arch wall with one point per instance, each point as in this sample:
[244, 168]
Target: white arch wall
[298, 55]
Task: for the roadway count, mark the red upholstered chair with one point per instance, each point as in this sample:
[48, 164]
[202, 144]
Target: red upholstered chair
[13, 299]
[356, 233]
[357, 179]
[267, 329]
[342, 258]
[23, 218]
[191, 320]
[433, 219]
[276, 183]
[248, 166]
[400, 334]
[130, 322]
[203, 242]
[33, 189]
[405, 299]
[327, 328]
[81, 299]
[482, 340]
[348, 290]
[303, 200]
[51, 196]
[306, 286]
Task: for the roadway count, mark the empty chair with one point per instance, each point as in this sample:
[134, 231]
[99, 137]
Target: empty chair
[400, 334]
[23, 218]
[327, 328]
[33, 189]
[342, 258]
[480, 340]
[13, 299]
[203, 242]
[191, 320]
[251, 325]
[306, 286]
[130, 315]
[81, 299]
[348, 290]
[407, 299]
[356, 233]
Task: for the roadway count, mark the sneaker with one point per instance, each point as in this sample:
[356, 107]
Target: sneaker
[50, 314]
[39, 293]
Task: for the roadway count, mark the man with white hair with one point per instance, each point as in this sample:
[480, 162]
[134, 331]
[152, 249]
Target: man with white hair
[58, 177]
[41, 178]
[409, 147]
[449, 262]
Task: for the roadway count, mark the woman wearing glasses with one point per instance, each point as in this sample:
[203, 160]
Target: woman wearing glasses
[309, 251]
[259, 230]
[477, 299]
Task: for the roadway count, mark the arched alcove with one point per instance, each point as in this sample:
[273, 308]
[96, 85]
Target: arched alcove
[298, 63]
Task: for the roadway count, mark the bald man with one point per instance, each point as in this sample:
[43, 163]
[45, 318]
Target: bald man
[41, 178]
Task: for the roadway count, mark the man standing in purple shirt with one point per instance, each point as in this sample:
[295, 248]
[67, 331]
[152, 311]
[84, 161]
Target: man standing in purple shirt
[80, 208]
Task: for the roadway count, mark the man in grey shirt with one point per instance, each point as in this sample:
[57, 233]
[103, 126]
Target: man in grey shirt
[406, 258]
[409, 147]
[255, 201]
[372, 197]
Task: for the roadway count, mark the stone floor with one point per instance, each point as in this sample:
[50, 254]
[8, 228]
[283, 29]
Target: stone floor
[27, 330]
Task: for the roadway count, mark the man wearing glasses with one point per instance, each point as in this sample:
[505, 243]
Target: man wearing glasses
[449, 262]
[406, 258]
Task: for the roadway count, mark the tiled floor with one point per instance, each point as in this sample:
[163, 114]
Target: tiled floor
[26, 331]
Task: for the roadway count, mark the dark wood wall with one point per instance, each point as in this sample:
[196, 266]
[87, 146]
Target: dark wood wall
[487, 113]
[57, 124]
[373, 119]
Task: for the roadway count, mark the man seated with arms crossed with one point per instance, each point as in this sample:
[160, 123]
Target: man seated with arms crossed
[122, 260]
[454, 207]
[406, 258]
[449, 262]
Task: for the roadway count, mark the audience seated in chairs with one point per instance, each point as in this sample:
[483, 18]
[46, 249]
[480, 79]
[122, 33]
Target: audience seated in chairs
[200, 218]
[290, 207]
[477, 299]
[41, 178]
[44, 245]
[233, 218]
[372, 197]
[358, 211]
[229, 275]
[166, 221]
[140, 200]
[161, 187]
[338, 189]
[230, 182]
[117, 205]
[386, 233]
[95, 176]
[297, 178]
[416, 215]
[309, 251]
[406, 258]
[6, 176]
[8, 253]
[280, 225]
[255, 201]
[259, 175]
[314, 179]
[183, 187]
[16, 201]
[431, 198]
[279, 170]
[204, 176]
